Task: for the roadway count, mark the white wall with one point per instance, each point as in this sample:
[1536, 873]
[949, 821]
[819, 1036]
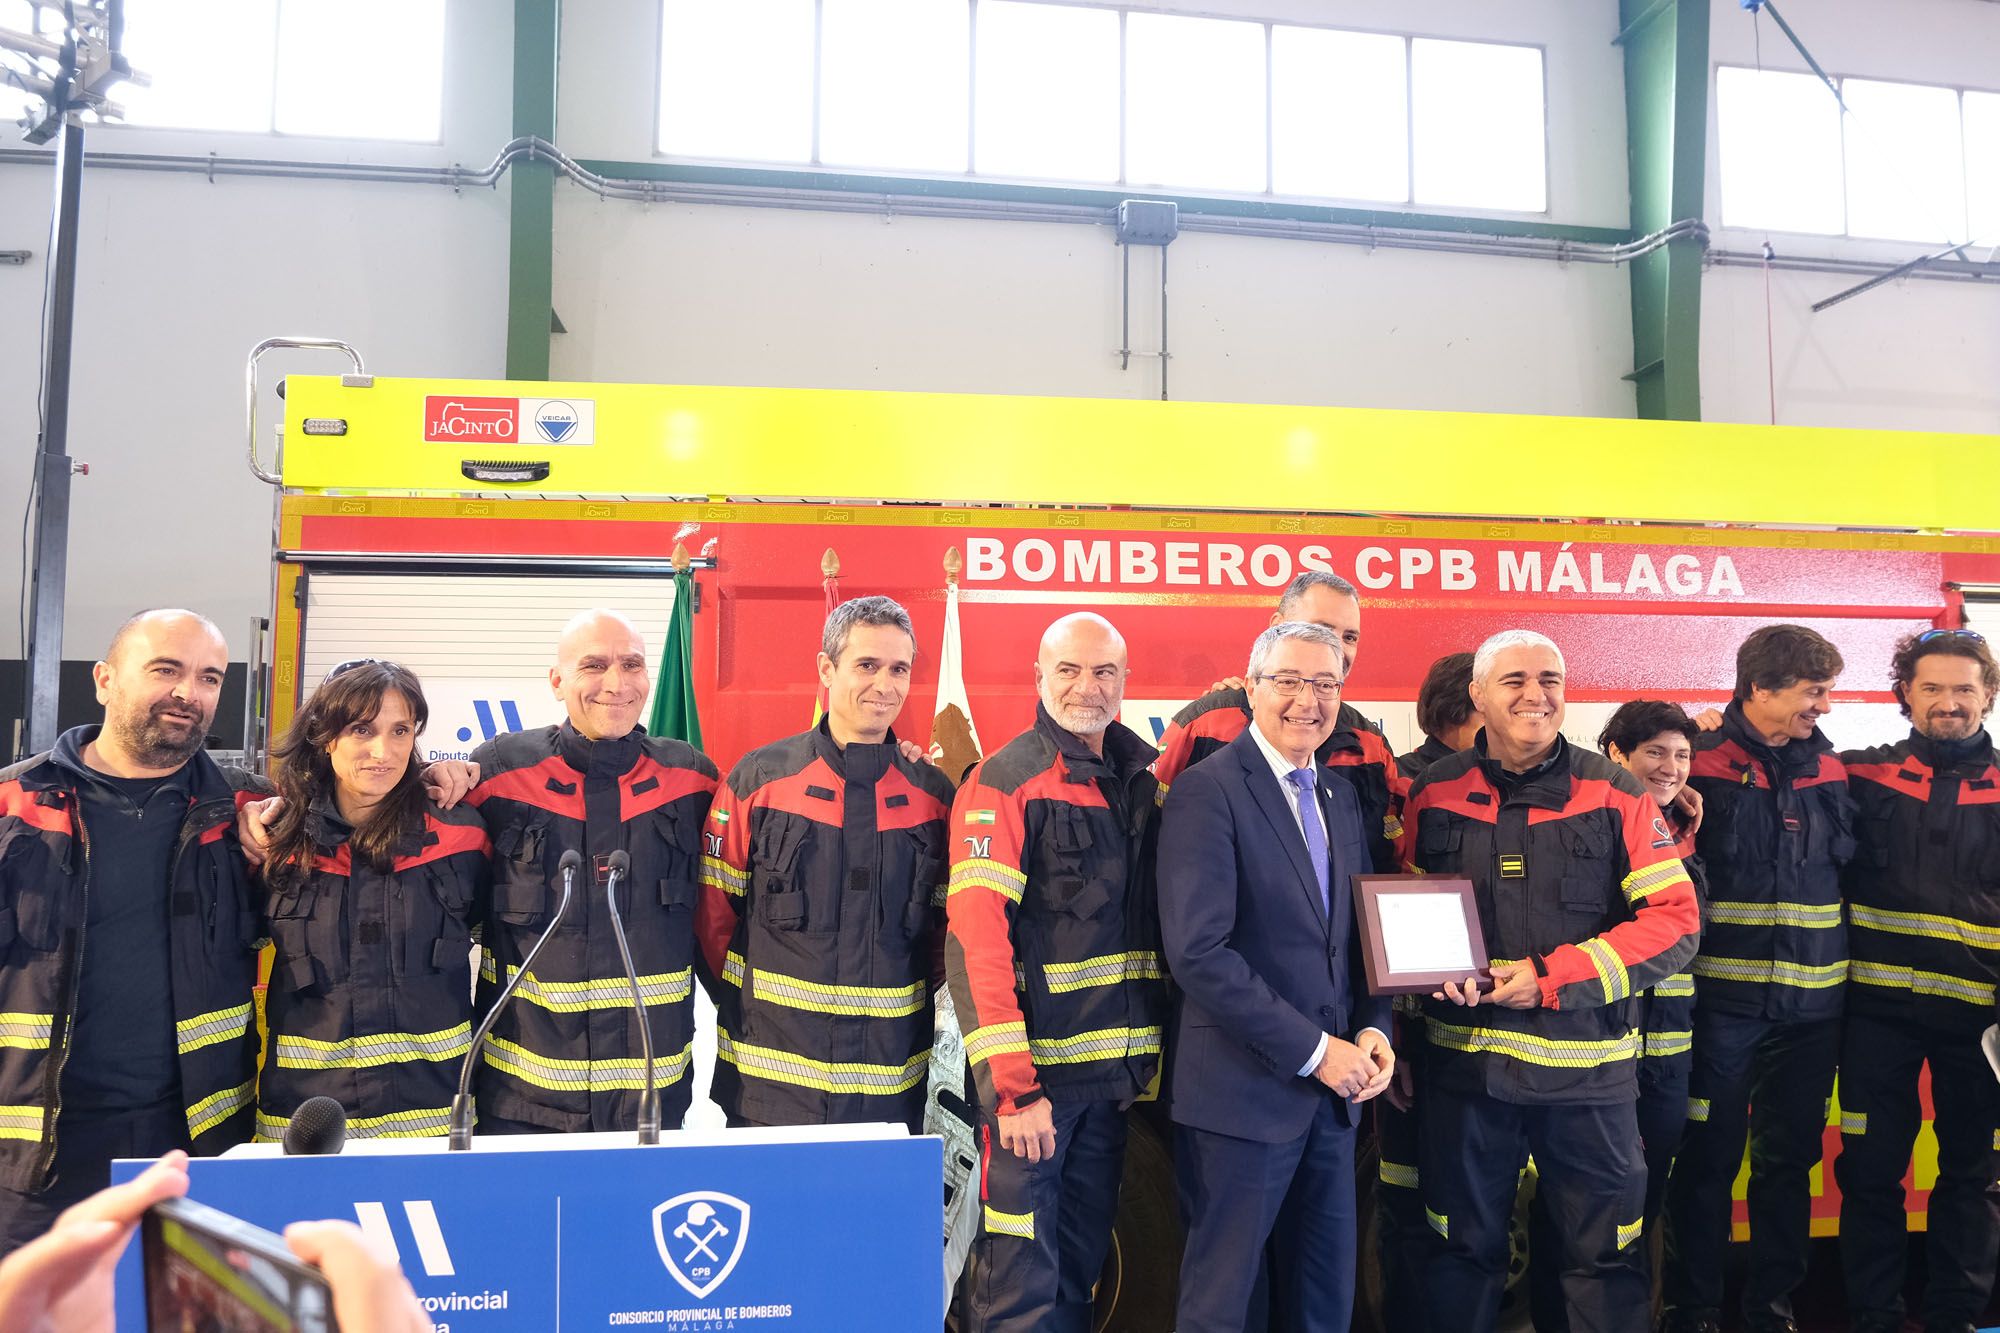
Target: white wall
[1914, 355]
[177, 278]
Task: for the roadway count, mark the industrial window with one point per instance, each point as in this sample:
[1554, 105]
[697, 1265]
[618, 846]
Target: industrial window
[349, 69]
[1100, 94]
[1907, 162]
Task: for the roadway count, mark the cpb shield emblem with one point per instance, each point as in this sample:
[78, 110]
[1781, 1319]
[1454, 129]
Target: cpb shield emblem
[700, 1236]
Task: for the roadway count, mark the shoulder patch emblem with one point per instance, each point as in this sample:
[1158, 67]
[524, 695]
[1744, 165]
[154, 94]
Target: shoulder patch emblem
[979, 816]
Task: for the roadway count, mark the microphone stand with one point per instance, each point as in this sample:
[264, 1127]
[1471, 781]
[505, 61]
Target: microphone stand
[620, 865]
[461, 1105]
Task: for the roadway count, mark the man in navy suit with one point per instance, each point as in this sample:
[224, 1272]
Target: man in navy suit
[1276, 1041]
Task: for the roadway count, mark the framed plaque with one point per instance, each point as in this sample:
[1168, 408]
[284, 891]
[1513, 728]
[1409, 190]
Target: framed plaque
[1418, 932]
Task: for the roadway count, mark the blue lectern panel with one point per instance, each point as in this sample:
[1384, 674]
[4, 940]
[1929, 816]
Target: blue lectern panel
[780, 1236]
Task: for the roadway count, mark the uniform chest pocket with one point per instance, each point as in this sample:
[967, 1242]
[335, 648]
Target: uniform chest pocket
[776, 854]
[675, 866]
[1588, 872]
[302, 964]
[1074, 896]
[33, 886]
[1978, 845]
[520, 880]
[431, 920]
[1440, 845]
[927, 882]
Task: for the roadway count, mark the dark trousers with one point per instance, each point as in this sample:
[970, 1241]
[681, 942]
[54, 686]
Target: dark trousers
[1402, 1236]
[85, 1145]
[1879, 1116]
[1768, 1083]
[1045, 1226]
[1662, 1112]
[1235, 1194]
[1592, 1179]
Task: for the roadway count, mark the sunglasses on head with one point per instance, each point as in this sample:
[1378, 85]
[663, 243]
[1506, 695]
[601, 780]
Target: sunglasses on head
[346, 667]
[1931, 634]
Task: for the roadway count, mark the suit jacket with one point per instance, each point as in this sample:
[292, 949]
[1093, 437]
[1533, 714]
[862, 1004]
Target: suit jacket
[1263, 970]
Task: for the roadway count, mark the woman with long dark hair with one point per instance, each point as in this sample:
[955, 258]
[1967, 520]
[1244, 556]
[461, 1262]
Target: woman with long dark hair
[370, 894]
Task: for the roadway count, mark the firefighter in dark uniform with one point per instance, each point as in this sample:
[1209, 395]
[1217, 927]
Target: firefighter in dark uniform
[1653, 741]
[822, 899]
[1777, 825]
[1583, 905]
[1053, 956]
[1923, 921]
[566, 1053]
[122, 837]
[1355, 750]
[1402, 1234]
[370, 895]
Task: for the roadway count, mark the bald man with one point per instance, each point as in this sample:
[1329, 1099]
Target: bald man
[1053, 956]
[123, 836]
[566, 1054]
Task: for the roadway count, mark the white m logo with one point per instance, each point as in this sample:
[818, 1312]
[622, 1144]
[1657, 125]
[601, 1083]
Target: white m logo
[980, 848]
[374, 1219]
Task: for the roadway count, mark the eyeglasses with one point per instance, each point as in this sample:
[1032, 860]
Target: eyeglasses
[1931, 634]
[1326, 687]
[346, 667]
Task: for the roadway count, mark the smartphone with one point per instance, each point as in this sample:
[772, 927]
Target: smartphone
[208, 1272]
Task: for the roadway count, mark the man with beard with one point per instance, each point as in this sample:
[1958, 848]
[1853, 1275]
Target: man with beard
[122, 836]
[1053, 955]
[1923, 914]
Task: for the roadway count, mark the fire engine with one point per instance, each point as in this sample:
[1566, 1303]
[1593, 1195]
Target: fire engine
[455, 525]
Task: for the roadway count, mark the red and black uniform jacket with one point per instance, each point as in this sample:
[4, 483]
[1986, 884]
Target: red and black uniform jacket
[1053, 950]
[1412, 765]
[212, 942]
[566, 1054]
[1667, 1008]
[822, 908]
[1923, 889]
[1572, 876]
[1355, 750]
[370, 997]
[1777, 825]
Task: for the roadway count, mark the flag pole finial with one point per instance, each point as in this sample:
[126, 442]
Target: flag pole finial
[829, 564]
[680, 559]
[954, 564]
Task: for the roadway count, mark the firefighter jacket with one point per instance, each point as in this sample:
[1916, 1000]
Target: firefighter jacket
[1777, 825]
[1923, 889]
[1355, 750]
[1666, 1012]
[212, 943]
[1572, 876]
[566, 1053]
[370, 996]
[1410, 766]
[1053, 950]
[822, 908]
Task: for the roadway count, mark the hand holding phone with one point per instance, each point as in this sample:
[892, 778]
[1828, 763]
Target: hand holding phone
[207, 1270]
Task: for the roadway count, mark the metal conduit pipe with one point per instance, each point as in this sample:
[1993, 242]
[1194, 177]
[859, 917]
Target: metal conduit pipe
[534, 149]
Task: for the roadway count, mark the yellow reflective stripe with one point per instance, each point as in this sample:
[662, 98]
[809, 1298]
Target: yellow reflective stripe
[1940, 984]
[1576, 1054]
[820, 998]
[1009, 1224]
[1105, 970]
[574, 997]
[982, 1044]
[1397, 1173]
[718, 873]
[1610, 969]
[1854, 1122]
[986, 873]
[1392, 827]
[732, 968]
[1996, 1140]
[396, 1125]
[1764, 971]
[1679, 984]
[1101, 1044]
[1439, 1222]
[215, 1108]
[26, 1032]
[1662, 1044]
[1660, 875]
[376, 1048]
[21, 1122]
[211, 1029]
[625, 1074]
[1697, 1108]
[1926, 924]
[1629, 1232]
[803, 1071]
[1160, 790]
[1805, 916]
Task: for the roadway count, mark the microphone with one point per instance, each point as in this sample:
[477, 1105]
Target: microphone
[318, 1128]
[619, 865]
[461, 1105]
